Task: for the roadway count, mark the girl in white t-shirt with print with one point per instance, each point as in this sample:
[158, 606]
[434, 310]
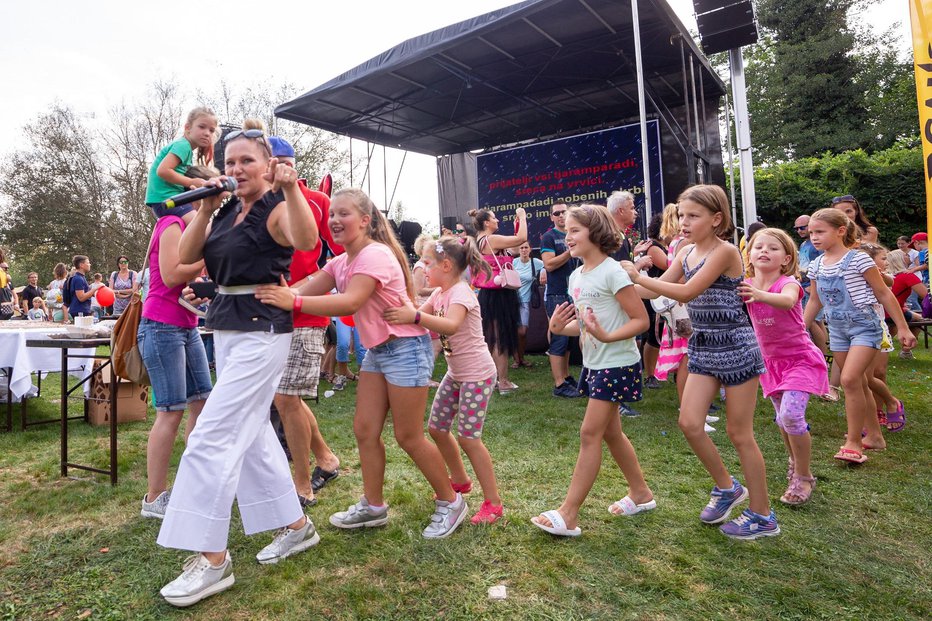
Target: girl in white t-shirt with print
[453, 311]
[607, 316]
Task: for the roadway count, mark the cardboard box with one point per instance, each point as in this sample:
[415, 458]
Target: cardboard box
[132, 399]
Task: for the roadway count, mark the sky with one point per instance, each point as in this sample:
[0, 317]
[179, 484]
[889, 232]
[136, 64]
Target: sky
[93, 55]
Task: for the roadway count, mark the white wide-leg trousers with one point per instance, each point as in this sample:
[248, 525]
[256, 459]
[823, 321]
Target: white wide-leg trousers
[233, 451]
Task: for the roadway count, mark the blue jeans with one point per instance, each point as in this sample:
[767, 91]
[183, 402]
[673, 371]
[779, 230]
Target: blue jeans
[407, 361]
[559, 344]
[344, 332]
[176, 362]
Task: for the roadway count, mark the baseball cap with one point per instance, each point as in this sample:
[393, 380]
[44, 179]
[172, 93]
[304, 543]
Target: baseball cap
[280, 147]
[918, 237]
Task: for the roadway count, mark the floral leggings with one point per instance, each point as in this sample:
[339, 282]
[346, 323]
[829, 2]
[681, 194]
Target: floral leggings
[470, 400]
[790, 409]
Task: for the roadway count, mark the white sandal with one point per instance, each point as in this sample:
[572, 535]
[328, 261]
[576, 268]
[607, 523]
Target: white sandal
[558, 527]
[628, 507]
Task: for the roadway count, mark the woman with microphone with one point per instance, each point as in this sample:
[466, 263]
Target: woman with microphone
[233, 450]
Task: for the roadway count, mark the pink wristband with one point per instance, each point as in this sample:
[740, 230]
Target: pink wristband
[298, 303]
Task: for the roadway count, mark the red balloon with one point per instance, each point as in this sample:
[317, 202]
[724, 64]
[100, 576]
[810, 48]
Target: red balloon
[105, 296]
[348, 321]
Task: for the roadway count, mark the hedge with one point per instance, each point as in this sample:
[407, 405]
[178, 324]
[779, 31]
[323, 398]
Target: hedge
[888, 184]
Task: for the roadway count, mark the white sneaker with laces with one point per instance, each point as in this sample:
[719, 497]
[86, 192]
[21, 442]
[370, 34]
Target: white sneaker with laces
[156, 508]
[709, 428]
[198, 580]
[288, 542]
[447, 516]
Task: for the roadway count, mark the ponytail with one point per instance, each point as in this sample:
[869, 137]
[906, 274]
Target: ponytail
[380, 231]
[463, 252]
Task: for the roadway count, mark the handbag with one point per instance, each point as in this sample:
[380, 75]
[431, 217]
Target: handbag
[124, 345]
[536, 297]
[504, 275]
[676, 316]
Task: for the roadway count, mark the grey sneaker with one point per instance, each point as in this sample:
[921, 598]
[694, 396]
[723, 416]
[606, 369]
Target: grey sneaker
[339, 382]
[447, 516]
[359, 515]
[288, 542]
[156, 508]
[198, 580]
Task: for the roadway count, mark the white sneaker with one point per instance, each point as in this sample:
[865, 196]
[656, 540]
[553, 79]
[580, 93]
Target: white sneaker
[288, 542]
[711, 419]
[447, 516]
[156, 508]
[709, 428]
[339, 382]
[198, 580]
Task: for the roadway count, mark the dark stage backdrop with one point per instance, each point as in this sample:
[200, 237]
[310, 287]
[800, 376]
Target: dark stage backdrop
[579, 169]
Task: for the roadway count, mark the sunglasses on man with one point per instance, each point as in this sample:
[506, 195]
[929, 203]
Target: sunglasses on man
[559, 213]
[801, 228]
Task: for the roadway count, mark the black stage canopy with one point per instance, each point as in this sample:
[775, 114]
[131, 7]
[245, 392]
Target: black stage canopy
[532, 70]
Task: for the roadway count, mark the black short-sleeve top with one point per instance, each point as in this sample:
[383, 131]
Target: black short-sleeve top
[246, 254]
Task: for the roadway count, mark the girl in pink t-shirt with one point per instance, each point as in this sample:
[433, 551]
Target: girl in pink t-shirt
[453, 311]
[371, 277]
[795, 367]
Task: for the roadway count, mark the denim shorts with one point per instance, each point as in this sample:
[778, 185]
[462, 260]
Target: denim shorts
[176, 362]
[407, 361]
[161, 210]
[559, 344]
[524, 313]
[853, 328]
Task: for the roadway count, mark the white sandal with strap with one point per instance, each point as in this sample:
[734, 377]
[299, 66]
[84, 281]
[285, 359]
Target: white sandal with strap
[558, 525]
[628, 507]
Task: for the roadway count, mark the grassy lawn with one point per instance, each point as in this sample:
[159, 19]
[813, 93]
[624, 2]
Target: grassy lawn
[77, 548]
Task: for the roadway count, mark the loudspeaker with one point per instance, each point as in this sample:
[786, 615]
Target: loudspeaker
[725, 24]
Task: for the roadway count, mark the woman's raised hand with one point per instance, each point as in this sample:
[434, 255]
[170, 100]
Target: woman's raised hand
[280, 175]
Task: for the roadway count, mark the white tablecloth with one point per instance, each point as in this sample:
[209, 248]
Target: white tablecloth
[27, 360]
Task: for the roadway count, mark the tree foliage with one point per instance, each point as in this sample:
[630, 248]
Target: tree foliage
[889, 185]
[75, 188]
[818, 84]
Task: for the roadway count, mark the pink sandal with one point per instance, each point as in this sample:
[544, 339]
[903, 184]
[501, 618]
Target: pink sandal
[796, 494]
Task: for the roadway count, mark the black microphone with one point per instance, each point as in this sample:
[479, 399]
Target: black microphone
[227, 184]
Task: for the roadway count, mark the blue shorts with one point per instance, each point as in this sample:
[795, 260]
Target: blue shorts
[559, 344]
[176, 362]
[617, 384]
[853, 328]
[161, 210]
[407, 361]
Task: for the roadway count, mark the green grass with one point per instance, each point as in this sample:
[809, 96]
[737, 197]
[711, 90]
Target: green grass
[859, 550]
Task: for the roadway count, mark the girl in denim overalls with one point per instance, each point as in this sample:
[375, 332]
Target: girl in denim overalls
[840, 276]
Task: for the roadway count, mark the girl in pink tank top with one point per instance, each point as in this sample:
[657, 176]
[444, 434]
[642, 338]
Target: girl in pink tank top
[795, 367]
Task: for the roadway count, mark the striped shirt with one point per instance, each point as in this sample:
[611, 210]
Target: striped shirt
[861, 293]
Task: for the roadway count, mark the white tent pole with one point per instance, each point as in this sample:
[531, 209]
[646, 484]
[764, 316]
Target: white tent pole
[743, 131]
[642, 111]
[731, 165]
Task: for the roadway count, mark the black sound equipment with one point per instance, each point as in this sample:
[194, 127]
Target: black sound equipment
[725, 24]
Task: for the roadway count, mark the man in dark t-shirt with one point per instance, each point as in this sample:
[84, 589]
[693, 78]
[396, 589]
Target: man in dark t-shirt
[81, 292]
[30, 291]
[559, 265]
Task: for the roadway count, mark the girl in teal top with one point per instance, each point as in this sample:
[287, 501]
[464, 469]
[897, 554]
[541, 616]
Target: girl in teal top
[168, 175]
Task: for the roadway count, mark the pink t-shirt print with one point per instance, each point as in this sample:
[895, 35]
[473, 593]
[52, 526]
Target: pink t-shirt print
[378, 262]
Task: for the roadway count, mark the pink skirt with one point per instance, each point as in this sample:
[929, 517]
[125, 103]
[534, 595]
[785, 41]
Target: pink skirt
[805, 371]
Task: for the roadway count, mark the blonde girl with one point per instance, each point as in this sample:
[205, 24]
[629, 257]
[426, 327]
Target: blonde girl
[848, 285]
[169, 174]
[371, 277]
[722, 351]
[452, 311]
[796, 368]
[607, 316]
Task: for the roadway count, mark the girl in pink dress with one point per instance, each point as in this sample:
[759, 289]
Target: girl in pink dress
[795, 367]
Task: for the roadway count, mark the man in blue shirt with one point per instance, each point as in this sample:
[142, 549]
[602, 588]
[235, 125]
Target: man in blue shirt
[81, 292]
[559, 265]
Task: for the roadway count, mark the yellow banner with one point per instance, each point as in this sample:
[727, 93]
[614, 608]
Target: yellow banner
[920, 14]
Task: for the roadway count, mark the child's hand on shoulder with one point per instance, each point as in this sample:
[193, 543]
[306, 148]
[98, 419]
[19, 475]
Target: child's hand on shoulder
[196, 183]
[750, 293]
[631, 269]
[400, 314]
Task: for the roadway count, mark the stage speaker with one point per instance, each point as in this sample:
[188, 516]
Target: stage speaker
[725, 24]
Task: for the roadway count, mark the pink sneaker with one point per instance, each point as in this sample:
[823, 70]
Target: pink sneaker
[461, 488]
[487, 513]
